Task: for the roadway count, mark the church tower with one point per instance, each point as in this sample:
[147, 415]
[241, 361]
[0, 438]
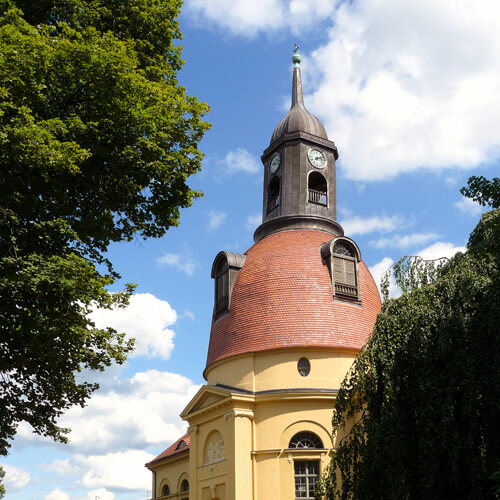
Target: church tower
[299, 171]
[289, 317]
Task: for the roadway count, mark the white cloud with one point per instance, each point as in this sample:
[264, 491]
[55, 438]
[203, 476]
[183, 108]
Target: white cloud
[56, 494]
[253, 221]
[240, 160]
[404, 241]
[133, 412]
[102, 493]
[124, 470]
[405, 85]
[125, 414]
[361, 225]
[215, 219]
[181, 262]
[15, 477]
[438, 250]
[147, 319]
[469, 207]
[241, 17]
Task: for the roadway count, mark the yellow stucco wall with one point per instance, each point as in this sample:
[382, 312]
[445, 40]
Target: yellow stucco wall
[239, 440]
[172, 471]
[278, 370]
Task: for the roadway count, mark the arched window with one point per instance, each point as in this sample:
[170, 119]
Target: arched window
[306, 471]
[305, 439]
[273, 195]
[184, 485]
[165, 491]
[318, 189]
[342, 257]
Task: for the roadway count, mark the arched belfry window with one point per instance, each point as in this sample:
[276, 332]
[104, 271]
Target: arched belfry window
[273, 194]
[165, 491]
[224, 271]
[318, 189]
[342, 256]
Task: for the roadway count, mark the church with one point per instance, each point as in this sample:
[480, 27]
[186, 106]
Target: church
[289, 317]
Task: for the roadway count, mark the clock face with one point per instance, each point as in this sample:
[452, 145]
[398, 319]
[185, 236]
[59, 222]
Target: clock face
[275, 163]
[317, 158]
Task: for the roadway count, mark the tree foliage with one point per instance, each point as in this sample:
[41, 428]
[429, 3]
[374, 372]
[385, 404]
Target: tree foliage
[484, 191]
[97, 140]
[417, 416]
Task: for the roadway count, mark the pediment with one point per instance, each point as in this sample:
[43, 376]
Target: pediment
[206, 397]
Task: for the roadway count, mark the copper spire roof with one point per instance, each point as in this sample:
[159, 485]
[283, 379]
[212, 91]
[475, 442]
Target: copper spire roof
[282, 298]
[298, 118]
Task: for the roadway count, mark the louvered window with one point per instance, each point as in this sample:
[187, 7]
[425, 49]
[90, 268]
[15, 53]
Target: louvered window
[344, 270]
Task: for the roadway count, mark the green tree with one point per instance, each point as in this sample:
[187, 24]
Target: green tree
[418, 414]
[2, 487]
[97, 140]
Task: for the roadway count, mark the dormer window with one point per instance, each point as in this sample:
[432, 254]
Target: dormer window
[273, 195]
[182, 444]
[342, 256]
[221, 286]
[318, 189]
[224, 271]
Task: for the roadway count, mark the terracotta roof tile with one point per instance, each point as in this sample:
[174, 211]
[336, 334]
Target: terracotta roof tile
[173, 450]
[283, 298]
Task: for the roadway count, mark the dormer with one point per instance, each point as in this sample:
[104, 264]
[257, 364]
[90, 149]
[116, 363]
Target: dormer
[342, 257]
[224, 271]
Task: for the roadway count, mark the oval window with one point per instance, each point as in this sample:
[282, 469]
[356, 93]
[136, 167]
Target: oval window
[304, 367]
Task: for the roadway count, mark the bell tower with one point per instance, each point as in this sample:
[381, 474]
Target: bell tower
[300, 189]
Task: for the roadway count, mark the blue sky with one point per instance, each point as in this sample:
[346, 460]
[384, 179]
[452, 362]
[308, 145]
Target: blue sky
[409, 92]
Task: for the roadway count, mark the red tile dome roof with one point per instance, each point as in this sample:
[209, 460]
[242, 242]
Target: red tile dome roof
[282, 298]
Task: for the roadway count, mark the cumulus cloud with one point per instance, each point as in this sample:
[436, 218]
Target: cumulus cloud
[469, 207]
[124, 470]
[240, 160]
[15, 477]
[215, 219]
[182, 262]
[405, 85]
[56, 494]
[404, 241]
[440, 249]
[126, 413]
[362, 225]
[147, 319]
[241, 17]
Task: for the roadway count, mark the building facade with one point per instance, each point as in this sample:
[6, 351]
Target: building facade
[290, 315]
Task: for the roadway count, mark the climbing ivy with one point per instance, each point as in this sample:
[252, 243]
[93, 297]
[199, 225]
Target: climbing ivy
[418, 415]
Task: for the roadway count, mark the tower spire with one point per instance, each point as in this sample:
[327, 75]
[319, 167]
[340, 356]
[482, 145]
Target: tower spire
[299, 175]
[297, 95]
